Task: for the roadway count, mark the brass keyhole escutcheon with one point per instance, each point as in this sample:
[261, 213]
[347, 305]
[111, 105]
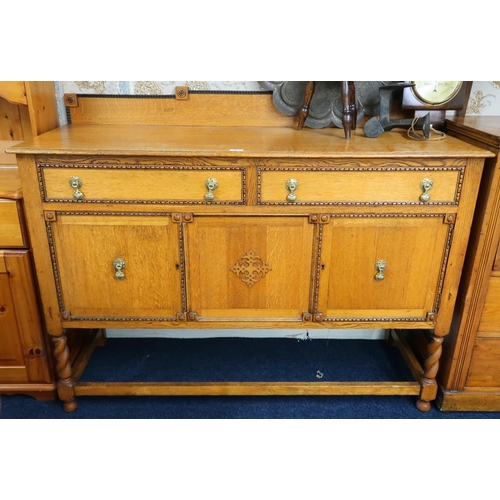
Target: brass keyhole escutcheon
[380, 266]
[119, 265]
[76, 183]
[426, 185]
[292, 185]
[211, 184]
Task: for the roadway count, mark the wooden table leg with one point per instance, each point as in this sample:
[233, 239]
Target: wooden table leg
[65, 382]
[429, 387]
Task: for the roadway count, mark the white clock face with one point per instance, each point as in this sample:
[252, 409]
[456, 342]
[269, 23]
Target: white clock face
[436, 93]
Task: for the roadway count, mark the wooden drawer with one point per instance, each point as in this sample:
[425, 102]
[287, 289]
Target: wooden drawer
[484, 369]
[490, 318]
[324, 186]
[158, 184]
[11, 235]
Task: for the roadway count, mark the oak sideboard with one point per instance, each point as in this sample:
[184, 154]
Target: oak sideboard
[216, 212]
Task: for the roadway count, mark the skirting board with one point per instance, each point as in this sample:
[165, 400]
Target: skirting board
[363, 334]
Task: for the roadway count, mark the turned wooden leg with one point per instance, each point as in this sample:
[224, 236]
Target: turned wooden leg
[304, 112]
[349, 111]
[428, 390]
[65, 382]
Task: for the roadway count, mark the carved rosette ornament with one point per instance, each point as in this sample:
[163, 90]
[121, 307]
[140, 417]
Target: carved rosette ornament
[251, 268]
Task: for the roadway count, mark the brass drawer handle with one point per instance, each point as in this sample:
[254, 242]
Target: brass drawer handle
[119, 265]
[291, 185]
[76, 183]
[211, 184]
[380, 266]
[426, 186]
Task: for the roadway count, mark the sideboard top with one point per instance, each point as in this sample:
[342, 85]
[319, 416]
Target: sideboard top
[237, 142]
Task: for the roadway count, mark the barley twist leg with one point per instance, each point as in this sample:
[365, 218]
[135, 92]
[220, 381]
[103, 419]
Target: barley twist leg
[428, 390]
[65, 382]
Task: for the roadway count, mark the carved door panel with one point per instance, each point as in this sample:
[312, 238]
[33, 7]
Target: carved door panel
[117, 266]
[385, 268]
[249, 268]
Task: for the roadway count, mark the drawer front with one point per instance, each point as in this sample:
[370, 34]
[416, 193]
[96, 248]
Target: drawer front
[490, 317]
[360, 186]
[144, 184]
[11, 235]
[484, 369]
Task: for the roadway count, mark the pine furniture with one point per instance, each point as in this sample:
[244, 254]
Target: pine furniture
[470, 375]
[215, 212]
[26, 109]
[27, 365]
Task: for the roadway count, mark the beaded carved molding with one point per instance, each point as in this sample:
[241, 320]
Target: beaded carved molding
[357, 168]
[210, 170]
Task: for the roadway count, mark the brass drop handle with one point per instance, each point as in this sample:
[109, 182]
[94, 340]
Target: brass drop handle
[76, 183]
[380, 266]
[211, 184]
[426, 186]
[292, 185]
[119, 265]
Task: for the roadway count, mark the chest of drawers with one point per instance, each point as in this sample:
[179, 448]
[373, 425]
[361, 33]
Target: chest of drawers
[470, 379]
[247, 227]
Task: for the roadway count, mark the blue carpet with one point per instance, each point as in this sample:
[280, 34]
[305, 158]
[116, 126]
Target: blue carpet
[239, 359]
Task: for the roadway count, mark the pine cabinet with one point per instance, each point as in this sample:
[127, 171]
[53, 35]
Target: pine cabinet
[27, 109]
[27, 365]
[470, 375]
[180, 226]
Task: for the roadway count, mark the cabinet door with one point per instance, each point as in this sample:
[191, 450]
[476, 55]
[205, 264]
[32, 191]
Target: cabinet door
[85, 249]
[354, 283]
[23, 356]
[249, 268]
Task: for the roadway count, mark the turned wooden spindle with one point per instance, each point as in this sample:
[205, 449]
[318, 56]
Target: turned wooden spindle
[349, 111]
[431, 366]
[65, 382]
[304, 112]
